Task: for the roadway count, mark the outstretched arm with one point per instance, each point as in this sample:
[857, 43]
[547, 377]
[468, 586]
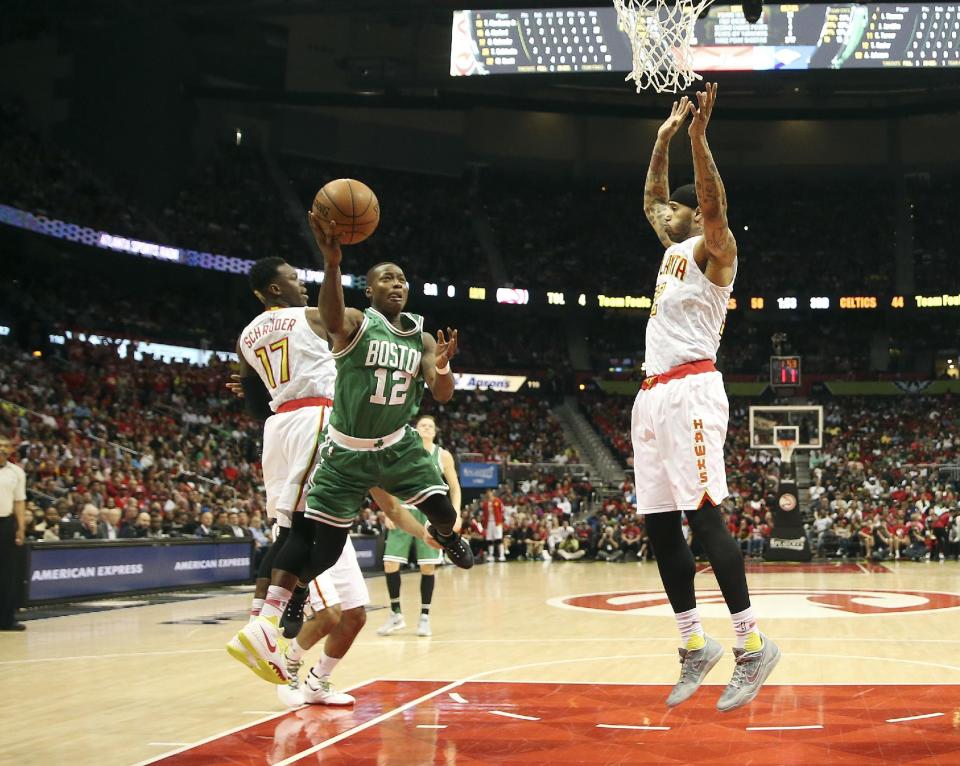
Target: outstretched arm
[718, 240]
[656, 192]
[341, 323]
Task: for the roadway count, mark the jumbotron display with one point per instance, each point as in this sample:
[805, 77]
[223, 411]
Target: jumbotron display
[788, 36]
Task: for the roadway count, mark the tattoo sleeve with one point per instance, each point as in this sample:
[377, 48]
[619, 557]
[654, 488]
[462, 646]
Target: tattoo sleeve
[711, 195]
[657, 188]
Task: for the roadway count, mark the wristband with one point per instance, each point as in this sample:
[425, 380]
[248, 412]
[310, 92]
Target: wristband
[445, 370]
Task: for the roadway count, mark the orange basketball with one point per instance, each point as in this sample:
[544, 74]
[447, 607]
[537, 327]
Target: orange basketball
[354, 207]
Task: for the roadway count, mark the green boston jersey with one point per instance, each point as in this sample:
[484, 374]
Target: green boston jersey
[379, 383]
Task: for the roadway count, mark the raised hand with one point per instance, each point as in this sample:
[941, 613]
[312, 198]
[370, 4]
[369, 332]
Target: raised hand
[701, 113]
[678, 113]
[234, 386]
[325, 232]
[446, 347]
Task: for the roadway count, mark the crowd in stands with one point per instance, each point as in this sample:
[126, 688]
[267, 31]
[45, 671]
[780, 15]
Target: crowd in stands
[115, 448]
[877, 490]
[230, 205]
[118, 448]
[545, 229]
[38, 176]
[788, 232]
[935, 229]
[425, 220]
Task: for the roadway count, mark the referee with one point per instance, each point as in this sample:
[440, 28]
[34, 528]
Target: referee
[13, 499]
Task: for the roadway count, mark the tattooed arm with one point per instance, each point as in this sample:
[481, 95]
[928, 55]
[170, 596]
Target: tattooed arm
[656, 192]
[718, 240]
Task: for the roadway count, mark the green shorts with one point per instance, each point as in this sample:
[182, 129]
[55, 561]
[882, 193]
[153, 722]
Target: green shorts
[344, 476]
[399, 542]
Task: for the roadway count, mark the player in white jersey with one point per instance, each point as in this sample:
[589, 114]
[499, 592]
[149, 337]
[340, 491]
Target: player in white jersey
[287, 376]
[679, 419]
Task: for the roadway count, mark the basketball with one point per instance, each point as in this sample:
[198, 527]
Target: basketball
[352, 205]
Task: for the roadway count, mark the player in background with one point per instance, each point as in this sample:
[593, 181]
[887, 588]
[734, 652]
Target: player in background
[679, 419]
[287, 375]
[397, 550]
[491, 511]
[384, 360]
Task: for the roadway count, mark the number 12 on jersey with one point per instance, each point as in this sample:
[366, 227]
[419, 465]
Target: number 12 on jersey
[398, 392]
[283, 346]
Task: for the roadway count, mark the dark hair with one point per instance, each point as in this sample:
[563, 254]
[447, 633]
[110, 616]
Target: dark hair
[377, 266]
[263, 272]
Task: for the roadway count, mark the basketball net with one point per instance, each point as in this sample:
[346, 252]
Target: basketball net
[786, 446]
[660, 33]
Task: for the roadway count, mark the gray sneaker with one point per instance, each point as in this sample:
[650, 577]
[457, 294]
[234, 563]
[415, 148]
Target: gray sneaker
[752, 669]
[694, 666]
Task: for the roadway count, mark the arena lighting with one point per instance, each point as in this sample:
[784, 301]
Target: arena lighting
[756, 303]
[4, 330]
[787, 302]
[556, 299]
[430, 288]
[451, 291]
[477, 293]
[753, 10]
[820, 302]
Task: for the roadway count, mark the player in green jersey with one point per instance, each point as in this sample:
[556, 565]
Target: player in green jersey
[384, 361]
[400, 542]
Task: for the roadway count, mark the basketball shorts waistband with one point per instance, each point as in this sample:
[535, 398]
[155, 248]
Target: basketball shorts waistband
[365, 445]
[680, 371]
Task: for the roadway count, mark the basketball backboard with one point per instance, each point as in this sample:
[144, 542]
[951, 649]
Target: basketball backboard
[770, 425]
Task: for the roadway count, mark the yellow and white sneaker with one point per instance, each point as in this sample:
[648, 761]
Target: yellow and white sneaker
[260, 646]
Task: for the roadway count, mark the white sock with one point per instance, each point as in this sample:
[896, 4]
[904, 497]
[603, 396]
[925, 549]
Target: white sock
[275, 602]
[745, 627]
[325, 665]
[295, 651]
[255, 607]
[688, 623]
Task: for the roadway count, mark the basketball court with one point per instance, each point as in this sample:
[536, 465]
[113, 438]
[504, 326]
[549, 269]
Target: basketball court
[529, 663]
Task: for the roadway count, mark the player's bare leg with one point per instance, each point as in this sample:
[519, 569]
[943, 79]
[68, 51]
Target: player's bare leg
[341, 629]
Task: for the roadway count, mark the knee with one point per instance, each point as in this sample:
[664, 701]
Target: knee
[428, 569]
[353, 620]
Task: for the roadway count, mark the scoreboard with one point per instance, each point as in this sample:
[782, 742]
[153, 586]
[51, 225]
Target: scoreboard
[788, 36]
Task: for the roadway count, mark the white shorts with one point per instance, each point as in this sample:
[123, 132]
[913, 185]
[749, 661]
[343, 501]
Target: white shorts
[290, 441]
[342, 584]
[493, 532]
[678, 429]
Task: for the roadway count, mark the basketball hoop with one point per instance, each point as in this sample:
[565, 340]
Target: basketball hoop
[786, 445]
[660, 32]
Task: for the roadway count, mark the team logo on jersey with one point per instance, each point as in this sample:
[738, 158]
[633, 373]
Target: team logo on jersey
[788, 502]
[803, 603]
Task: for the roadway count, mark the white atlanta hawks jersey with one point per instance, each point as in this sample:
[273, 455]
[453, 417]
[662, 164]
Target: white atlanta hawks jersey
[688, 312]
[291, 359]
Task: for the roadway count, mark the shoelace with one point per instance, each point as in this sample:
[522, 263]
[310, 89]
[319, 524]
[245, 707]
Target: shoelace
[293, 668]
[740, 671]
[688, 666]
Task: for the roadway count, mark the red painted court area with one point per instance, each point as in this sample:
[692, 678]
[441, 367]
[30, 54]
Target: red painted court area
[415, 723]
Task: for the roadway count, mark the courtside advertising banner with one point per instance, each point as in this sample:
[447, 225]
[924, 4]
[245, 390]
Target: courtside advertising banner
[468, 381]
[366, 548]
[73, 571]
[479, 475]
